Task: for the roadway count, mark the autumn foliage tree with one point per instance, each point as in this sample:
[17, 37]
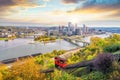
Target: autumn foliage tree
[25, 70]
[0, 76]
[115, 38]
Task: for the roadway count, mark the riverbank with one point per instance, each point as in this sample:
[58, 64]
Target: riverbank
[3, 39]
[8, 38]
[12, 60]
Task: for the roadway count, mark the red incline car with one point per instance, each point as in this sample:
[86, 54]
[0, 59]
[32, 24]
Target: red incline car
[60, 62]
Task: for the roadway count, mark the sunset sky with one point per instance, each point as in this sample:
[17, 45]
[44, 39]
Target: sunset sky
[59, 12]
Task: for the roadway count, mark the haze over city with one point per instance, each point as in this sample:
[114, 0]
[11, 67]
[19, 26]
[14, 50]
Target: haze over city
[59, 12]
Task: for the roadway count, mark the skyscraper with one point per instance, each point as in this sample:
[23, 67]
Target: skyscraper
[69, 24]
[69, 28]
[85, 29]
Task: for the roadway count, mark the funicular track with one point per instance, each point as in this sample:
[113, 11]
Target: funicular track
[75, 68]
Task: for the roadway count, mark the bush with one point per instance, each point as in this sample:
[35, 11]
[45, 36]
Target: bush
[115, 75]
[61, 75]
[95, 76]
[1, 76]
[90, 57]
[26, 70]
[103, 62]
[112, 48]
[47, 60]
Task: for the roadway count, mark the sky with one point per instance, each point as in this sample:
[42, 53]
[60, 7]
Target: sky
[96, 13]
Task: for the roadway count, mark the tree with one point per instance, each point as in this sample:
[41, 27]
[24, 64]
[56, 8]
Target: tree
[115, 38]
[95, 76]
[1, 76]
[104, 62]
[112, 48]
[97, 41]
[25, 70]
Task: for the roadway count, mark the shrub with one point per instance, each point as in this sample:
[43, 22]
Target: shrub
[115, 75]
[112, 48]
[95, 76]
[3, 71]
[90, 57]
[103, 62]
[47, 60]
[1, 76]
[61, 75]
[26, 70]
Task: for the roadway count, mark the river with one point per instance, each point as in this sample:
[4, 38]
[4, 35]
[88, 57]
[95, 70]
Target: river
[21, 47]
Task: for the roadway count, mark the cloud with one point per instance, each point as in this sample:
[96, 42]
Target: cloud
[24, 3]
[10, 6]
[98, 6]
[71, 1]
[104, 3]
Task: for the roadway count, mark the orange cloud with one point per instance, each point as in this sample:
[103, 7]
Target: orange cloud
[9, 6]
[113, 10]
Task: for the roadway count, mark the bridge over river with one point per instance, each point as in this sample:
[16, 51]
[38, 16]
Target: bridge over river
[75, 41]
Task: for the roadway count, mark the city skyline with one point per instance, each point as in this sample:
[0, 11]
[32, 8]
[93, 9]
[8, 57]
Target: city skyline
[59, 12]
